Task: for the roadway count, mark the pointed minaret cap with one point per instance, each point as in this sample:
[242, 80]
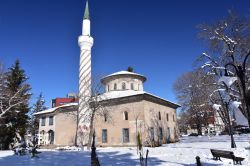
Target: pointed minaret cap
[86, 13]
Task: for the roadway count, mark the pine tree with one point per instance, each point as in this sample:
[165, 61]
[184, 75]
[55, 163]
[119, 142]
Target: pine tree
[17, 116]
[37, 107]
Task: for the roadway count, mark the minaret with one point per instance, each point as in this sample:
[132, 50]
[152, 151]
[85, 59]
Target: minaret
[85, 42]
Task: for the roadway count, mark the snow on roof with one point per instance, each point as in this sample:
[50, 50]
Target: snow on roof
[125, 73]
[126, 93]
[55, 108]
[106, 96]
[122, 93]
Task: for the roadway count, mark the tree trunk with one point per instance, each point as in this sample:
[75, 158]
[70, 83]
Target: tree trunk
[136, 135]
[77, 126]
[199, 130]
[91, 129]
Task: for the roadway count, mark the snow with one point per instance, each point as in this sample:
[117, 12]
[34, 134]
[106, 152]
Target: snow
[122, 93]
[106, 96]
[176, 154]
[126, 93]
[124, 73]
[236, 104]
[228, 80]
[55, 108]
[240, 119]
[216, 107]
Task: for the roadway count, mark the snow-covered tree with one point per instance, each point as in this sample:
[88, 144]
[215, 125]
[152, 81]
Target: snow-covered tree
[14, 106]
[228, 42]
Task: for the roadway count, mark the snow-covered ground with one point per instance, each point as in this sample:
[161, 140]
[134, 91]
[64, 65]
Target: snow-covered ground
[182, 153]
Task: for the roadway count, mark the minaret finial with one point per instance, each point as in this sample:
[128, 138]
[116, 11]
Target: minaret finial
[86, 12]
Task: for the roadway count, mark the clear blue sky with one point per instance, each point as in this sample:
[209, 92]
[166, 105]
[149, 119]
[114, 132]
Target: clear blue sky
[156, 37]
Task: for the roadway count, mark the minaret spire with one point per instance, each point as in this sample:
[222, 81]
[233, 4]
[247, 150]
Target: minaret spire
[86, 21]
[86, 12]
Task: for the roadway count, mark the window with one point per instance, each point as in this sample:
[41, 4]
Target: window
[132, 86]
[43, 121]
[125, 135]
[151, 130]
[173, 118]
[115, 86]
[125, 115]
[108, 88]
[104, 136]
[51, 118]
[159, 115]
[160, 133]
[138, 86]
[167, 117]
[123, 86]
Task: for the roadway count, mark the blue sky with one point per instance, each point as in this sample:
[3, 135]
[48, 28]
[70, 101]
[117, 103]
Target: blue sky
[156, 37]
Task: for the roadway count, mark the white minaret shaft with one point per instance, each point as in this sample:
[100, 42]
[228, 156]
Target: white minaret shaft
[85, 42]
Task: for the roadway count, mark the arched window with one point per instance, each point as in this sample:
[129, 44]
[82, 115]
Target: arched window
[167, 116]
[51, 136]
[159, 115]
[123, 86]
[108, 88]
[115, 86]
[125, 115]
[132, 86]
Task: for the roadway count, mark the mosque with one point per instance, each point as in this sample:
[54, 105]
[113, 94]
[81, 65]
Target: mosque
[131, 109]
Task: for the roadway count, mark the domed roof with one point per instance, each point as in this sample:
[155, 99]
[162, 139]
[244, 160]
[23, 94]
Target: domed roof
[124, 73]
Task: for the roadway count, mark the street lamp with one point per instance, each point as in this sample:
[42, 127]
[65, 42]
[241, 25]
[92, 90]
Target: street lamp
[228, 81]
[233, 145]
[241, 74]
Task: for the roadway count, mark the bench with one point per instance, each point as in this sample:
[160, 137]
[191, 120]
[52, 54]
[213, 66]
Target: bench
[217, 154]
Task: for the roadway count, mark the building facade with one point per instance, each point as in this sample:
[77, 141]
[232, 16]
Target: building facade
[132, 111]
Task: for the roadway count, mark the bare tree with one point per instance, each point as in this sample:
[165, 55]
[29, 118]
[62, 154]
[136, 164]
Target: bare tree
[95, 105]
[228, 43]
[138, 125]
[192, 90]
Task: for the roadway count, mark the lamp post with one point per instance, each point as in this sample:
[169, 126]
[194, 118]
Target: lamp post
[241, 74]
[226, 101]
[233, 145]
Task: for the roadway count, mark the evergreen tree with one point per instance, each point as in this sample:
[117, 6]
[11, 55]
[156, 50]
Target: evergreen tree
[37, 107]
[17, 117]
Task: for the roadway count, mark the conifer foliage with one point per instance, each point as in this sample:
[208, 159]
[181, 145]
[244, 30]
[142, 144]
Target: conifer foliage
[37, 107]
[14, 105]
